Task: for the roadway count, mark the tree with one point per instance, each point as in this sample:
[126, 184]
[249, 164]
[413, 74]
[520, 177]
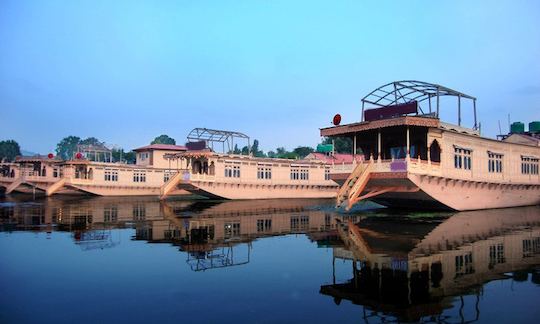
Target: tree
[303, 151]
[341, 144]
[163, 139]
[245, 150]
[67, 147]
[272, 154]
[9, 150]
[255, 149]
[282, 153]
[236, 149]
[90, 141]
[121, 156]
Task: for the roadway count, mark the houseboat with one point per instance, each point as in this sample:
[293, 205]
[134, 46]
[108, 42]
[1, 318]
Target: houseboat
[412, 159]
[167, 170]
[93, 172]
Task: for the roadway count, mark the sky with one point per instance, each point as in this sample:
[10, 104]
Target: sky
[128, 71]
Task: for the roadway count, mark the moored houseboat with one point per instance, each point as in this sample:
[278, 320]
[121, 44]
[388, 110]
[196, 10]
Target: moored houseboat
[413, 159]
[87, 173]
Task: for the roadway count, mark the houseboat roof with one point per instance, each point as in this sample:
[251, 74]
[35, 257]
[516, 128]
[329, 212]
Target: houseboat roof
[161, 147]
[37, 158]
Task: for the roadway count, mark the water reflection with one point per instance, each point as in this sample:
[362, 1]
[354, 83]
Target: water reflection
[408, 267]
[412, 270]
[208, 231]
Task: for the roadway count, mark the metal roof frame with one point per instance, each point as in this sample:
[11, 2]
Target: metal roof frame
[405, 91]
[217, 136]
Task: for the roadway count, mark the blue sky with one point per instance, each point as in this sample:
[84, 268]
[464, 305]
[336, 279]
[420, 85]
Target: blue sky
[128, 71]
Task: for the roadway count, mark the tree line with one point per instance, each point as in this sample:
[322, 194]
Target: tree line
[67, 148]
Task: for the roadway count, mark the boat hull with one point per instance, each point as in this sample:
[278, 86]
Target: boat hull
[216, 190]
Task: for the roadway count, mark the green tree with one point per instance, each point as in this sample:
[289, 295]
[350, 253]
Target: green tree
[303, 151]
[245, 150]
[341, 144]
[255, 149]
[120, 156]
[90, 141]
[272, 154]
[282, 153]
[67, 147]
[163, 139]
[9, 150]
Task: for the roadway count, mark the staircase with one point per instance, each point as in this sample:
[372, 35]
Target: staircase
[354, 185]
[55, 187]
[171, 184]
[14, 185]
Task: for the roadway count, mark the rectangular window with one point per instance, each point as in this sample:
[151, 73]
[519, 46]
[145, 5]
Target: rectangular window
[462, 158]
[495, 162]
[232, 170]
[139, 212]
[232, 230]
[139, 176]
[327, 174]
[529, 165]
[299, 223]
[264, 171]
[264, 225]
[110, 214]
[299, 173]
[111, 175]
[496, 254]
[531, 247]
[167, 175]
[464, 264]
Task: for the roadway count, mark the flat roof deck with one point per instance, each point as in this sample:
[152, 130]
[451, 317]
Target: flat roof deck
[350, 129]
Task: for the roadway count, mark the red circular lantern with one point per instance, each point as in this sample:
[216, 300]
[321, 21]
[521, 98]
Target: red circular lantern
[337, 119]
[50, 155]
[78, 156]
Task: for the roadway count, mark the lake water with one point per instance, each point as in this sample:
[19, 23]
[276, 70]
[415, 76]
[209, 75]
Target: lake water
[109, 260]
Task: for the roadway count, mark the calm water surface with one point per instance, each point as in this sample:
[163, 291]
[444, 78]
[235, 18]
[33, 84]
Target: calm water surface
[105, 260]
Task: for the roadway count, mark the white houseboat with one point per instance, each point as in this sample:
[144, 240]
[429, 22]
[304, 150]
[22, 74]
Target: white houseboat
[414, 159]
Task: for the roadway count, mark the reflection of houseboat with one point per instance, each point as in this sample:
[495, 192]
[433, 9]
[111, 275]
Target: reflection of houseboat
[416, 275]
[413, 159]
[206, 230]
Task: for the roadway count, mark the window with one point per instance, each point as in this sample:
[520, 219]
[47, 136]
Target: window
[264, 225]
[299, 223]
[264, 171]
[232, 170]
[111, 175]
[464, 264]
[139, 212]
[56, 172]
[232, 230]
[299, 173]
[495, 162]
[462, 158]
[531, 247]
[139, 176]
[496, 254]
[143, 156]
[529, 165]
[110, 214]
[327, 174]
[167, 175]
